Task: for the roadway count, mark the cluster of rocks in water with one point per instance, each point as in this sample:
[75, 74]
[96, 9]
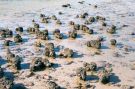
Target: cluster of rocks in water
[103, 74]
[39, 63]
[44, 34]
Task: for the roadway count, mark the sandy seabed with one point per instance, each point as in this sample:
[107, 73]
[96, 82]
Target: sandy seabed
[120, 13]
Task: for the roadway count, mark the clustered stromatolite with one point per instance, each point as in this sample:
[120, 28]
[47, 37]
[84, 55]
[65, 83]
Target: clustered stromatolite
[112, 30]
[72, 34]
[5, 83]
[81, 73]
[19, 29]
[39, 64]
[90, 66]
[94, 44]
[49, 50]
[7, 43]
[18, 38]
[14, 60]
[5, 32]
[43, 35]
[113, 42]
[1, 72]
[57, 34]
[103, 74]
[52, 85]
[66, 53]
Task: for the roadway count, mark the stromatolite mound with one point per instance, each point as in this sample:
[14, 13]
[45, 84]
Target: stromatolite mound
[6, 83]
[58, 22]
[36, 25]
[39, 64]
[66, 53]
[90, 20]
[18, 38]
[37, 44]
[126, 87]
[100, 18]
[44, 20]
[57, 34]
[1, 72]
[14, 60]
[32, 30]
[76, 26]
[7, 42]
[81, 73]
[19, 29]
[42, 15]
[94, 44]
[71, 23]
[112, 30]
[113, 42]
[4, 32]
[104, 76]
[72, 34]
[54, 17]
[90, 66]
[9, 55]
[49, 50]
[86, 29]
[83, 15]
[50, 46]
[43, 35]
[52, 85]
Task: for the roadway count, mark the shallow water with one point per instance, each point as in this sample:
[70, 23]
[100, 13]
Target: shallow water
[16, 6]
